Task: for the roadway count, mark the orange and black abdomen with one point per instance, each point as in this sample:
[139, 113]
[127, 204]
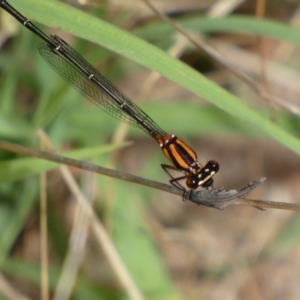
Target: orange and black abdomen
[178, 153]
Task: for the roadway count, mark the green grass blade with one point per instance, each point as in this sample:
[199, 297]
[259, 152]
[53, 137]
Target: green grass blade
[232, 24]
[95, 30]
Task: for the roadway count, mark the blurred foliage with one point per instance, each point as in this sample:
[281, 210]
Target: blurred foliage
[32, 96]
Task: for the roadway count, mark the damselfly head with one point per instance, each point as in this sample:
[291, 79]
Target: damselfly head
[204, 176]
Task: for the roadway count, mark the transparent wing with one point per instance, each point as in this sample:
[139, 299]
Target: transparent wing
[71, 66]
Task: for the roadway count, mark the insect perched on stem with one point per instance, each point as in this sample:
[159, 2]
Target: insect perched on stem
[71, 66]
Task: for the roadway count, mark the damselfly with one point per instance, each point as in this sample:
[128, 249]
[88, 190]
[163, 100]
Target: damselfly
[71, 66]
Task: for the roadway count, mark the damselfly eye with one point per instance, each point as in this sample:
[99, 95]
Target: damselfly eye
[213, 166]
[191, 183]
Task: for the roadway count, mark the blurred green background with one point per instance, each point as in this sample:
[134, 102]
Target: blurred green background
[171, 248]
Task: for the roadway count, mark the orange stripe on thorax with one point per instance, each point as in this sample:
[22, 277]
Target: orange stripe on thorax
[178, 153]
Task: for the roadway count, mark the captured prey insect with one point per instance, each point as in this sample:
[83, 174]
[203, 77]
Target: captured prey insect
[89, 82]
